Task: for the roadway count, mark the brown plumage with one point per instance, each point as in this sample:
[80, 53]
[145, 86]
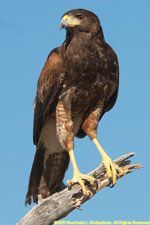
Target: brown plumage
[78, 84]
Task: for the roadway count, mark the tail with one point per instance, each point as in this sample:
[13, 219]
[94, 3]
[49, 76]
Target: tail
[47, 174]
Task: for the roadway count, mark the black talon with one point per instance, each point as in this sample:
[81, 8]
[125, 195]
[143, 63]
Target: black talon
[96, 183]
[69, 187]
[86, 197]
[86, 182]
[110, 185]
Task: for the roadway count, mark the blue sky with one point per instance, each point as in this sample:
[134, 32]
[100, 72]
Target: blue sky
[29, 30]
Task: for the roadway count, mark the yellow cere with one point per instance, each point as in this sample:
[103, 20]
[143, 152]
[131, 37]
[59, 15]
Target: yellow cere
[65, 17]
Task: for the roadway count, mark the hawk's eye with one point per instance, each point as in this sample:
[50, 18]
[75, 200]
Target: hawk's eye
[79, 17]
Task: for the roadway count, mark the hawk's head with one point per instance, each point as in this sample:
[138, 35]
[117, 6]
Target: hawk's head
[81, 20]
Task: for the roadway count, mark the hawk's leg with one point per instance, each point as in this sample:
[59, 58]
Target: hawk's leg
[64, 126]
[90, 128]
[78, 177]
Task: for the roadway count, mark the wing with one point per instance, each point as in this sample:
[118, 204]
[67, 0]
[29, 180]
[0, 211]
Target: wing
[49, 86]
[112, 72]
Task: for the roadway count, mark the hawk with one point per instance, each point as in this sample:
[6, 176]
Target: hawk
[77, 86]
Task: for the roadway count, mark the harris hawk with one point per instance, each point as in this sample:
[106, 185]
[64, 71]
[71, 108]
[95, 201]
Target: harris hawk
[77, 85]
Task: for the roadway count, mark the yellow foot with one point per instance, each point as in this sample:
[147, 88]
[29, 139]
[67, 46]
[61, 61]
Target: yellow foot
[78, 178]
[112, 169]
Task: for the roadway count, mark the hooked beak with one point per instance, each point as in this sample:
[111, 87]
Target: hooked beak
[63, 22]
[68, 21]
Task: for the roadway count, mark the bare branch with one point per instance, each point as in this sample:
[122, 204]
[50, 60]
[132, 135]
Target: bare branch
[62, 203]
